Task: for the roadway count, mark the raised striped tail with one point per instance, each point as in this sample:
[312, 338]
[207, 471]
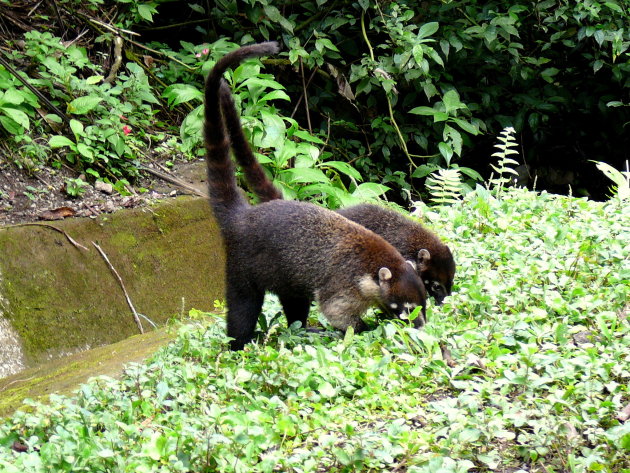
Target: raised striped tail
[255, 176]
[224, 194]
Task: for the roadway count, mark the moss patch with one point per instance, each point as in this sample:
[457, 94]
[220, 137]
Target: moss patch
[63, 376]
[61, 299]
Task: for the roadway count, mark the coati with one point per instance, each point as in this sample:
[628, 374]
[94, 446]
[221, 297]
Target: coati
[433, 258]
[297, 250]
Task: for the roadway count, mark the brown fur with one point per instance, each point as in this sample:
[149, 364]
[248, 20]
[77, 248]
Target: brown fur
[297, 250]
[435, 265]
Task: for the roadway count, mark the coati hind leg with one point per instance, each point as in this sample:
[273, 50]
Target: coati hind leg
[296, 309]
[243, 310]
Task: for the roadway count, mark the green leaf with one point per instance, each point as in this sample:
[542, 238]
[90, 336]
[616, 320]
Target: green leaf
[53, 66]
[549, 73]
[274, 94]
[306, 136]
[60, 141]
[451, 101]
[326, 390]
[275, 130]
[93, 80]
[466, 126]
[304, 175]
[18, 116]
[12, 96]
[118, 143]
[83, 105]
[322, 43]
[454, 137]
[146, 11]
[446, 151]
[471, 173]
[369, 190]
[428, 29]
[254, 82]
[77, 128]
[85, 151]
[10, 125]
[274, 15]
[613, 6]
[424, 170]
[424, 111]
[344, 168]
[177, 94]
[417, 53]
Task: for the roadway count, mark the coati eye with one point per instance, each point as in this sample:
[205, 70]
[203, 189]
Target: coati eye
[437, 287]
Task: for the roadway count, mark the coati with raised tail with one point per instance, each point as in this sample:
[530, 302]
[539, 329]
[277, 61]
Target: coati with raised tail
[433, 258]
[297, 250]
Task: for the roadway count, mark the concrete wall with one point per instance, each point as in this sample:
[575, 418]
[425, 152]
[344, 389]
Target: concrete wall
[56, 299]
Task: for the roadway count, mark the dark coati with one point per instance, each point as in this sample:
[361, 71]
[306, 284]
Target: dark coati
[297, 250]
[433, 258]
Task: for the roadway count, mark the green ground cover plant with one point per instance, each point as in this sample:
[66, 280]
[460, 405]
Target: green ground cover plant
[536, 374]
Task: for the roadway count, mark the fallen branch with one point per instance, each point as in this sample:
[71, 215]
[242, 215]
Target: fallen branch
[41, 96]
[46, 225]
[122, 285]
[118, 42]
[173, 180]
[23, 380]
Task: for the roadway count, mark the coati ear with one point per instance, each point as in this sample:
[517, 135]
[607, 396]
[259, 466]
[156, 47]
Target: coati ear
[412, 264]
[384, 274]
[423, 259]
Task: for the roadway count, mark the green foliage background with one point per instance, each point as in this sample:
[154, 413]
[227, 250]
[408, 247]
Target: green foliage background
[396, 90]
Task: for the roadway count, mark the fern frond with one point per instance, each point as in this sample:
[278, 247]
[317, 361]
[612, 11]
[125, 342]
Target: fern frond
[445, 186]
[505, 165]
[620, 178]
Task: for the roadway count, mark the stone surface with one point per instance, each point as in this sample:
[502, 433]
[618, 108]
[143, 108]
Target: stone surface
[59, 299]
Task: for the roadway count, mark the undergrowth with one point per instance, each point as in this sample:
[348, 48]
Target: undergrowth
[537, 328]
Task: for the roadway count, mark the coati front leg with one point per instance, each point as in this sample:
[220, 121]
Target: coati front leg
[244, 307]
[296, 309]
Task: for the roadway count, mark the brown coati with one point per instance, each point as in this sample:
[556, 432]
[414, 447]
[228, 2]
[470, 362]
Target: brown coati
[433, 258]
[296, 250]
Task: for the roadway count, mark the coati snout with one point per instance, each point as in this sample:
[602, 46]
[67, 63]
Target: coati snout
[404, 295]
[437, 273]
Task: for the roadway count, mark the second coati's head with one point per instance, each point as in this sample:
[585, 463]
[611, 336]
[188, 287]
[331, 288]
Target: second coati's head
[437, 271]
[401, 291]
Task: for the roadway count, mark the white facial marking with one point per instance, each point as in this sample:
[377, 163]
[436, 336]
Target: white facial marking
[368, 287]
[426, 281]
[393, 305]
[409, 306]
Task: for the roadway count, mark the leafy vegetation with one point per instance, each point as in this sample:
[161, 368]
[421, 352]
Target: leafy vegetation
[421, 81]
[382, 94]
[539, 342]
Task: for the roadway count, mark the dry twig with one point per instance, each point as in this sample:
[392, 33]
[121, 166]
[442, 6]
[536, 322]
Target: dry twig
[122, 285]
[46, 225]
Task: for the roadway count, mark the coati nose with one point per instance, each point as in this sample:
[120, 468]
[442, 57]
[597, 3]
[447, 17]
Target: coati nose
[408, 309]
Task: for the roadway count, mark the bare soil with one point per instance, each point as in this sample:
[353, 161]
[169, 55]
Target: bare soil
[41, 194]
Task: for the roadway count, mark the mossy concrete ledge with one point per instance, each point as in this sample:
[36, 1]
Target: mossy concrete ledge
[57, 299]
